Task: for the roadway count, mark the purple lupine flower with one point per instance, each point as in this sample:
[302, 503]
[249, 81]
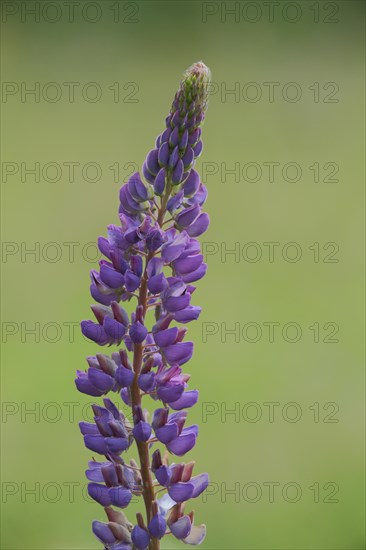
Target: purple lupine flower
[153, 257]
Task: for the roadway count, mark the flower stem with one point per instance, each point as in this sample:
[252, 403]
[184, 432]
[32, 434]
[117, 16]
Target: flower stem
[143, 447]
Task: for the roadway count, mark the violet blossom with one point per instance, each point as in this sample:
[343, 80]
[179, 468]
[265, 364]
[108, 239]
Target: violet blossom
[153, 257]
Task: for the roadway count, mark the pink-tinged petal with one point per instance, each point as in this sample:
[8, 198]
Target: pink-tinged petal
[196, 536]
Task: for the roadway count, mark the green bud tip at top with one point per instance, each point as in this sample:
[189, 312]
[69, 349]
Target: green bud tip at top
[195, 83]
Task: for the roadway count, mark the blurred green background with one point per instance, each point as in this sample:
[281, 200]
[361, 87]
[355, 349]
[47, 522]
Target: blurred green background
[134, 53]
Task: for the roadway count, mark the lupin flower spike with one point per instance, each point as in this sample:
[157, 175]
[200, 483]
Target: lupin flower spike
[153, 255]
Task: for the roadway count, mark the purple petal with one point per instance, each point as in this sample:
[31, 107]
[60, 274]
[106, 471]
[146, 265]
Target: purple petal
[159, 183]
[187, 216]
[142, 431]
[182, 444]
[165, 503]
[183, 142]
[95, 443]
[163, 155]
[117, 444]
[180, 492]
[160, 418]
[124, 376]
[199, 197]
[155, 267]
[136, 187]
[154, 240]
[188, 264]
[147, 175]
[146, 381]
[163, 475]
[120, 496]
[102, 297]
[94, 332]
[178, 172]
[199, 226]
[103, 532]
[190, 313]
[114, 329]
[174, 156]
[174, 137]
[157, 283]
[88, 428]
[195, 275]
[191, 184]
[175, 303]
[172, 251]
[157, 526]
[182, 527]
[104, 247]
[166, 337]
[100, 493]
[167, 433]
[100, 379]
[197, 149]
[188, 157]
[178, 353]
[152, 163]
[84, 385]
[132, 281]
[138, 332]
[175, 202]
[170, 392]
[140, 537]
[187, 400]
[200, 484]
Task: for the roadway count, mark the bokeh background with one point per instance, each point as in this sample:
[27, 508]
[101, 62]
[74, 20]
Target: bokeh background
[311, 450]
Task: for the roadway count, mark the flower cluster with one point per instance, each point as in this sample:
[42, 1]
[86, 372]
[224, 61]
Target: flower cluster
[151, 260]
